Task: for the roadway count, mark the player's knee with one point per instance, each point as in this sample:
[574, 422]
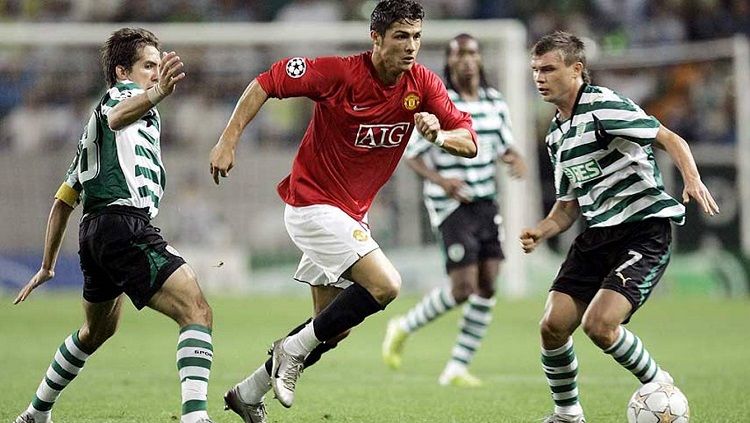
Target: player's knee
[388, 289]
[202, 313]
[94, 336]
[601, 333]
[553, 332]
[461, 292]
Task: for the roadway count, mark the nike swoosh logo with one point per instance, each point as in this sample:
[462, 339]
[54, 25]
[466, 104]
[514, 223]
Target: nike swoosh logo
[358, 108]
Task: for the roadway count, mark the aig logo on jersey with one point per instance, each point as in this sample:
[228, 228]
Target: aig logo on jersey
[583, 172]
[296, 67]
[382, 135]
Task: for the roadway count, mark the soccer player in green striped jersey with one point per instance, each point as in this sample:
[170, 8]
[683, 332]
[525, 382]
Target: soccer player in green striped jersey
[601, 147]
[460, 196]
[118, 175]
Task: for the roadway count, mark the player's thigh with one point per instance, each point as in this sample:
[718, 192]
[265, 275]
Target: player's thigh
[562, 314]
[376, 274]
[331, 241]
[322, 296]
[607, 310]
[181, 298]
[489, 269]
[464, 281]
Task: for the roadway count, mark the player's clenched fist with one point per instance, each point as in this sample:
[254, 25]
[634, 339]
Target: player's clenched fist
[530, 239]
[427, 124]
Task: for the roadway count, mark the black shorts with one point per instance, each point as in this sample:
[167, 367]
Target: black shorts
[471, 234]
[629, 258]
[121, 252]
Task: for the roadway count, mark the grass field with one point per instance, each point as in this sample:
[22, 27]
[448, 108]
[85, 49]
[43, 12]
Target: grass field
[703, 343]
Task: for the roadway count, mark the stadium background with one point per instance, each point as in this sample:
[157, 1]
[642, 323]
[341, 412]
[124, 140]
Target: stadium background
[687, 62]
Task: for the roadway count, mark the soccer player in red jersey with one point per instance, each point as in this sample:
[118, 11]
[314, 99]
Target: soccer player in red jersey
[366, 107]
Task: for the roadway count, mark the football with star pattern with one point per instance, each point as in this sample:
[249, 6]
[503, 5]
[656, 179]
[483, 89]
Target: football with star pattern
[658, 402]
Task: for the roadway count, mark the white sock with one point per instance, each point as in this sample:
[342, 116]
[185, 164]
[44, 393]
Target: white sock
[255, 386]
[301, 343]
[454, 368]
[571, 410]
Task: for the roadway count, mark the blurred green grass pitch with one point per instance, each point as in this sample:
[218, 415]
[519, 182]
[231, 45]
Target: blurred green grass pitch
[703, 342]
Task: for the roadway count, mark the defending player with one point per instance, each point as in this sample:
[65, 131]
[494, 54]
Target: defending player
[118, 175]
[601, 147]
[366, 107]
[460, 196]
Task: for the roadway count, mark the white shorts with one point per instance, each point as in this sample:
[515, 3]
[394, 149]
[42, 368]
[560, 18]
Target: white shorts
[330, 240]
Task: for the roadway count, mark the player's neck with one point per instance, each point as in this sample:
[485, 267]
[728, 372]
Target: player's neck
[385, 75]
[567, 104]
[467, 89]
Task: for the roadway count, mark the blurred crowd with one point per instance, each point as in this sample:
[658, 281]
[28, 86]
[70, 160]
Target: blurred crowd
[46, 93]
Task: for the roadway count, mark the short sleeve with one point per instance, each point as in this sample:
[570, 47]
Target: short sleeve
[316, 79]
[623, 118]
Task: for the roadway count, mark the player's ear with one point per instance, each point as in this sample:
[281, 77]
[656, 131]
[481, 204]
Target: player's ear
[376, 38]
[121, 72]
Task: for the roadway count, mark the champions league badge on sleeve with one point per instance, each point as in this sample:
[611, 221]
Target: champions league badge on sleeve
[296, 67]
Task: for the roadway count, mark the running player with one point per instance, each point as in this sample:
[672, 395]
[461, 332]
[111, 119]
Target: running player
[366, 107]
[460, 196]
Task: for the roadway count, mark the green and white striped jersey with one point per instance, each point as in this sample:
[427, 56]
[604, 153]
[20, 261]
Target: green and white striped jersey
[602, 156]
[119, 167]
[491, 121]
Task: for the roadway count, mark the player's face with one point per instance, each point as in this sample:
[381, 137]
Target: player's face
[399, 46]
[145, 71]
[464, 59]
[553, 79]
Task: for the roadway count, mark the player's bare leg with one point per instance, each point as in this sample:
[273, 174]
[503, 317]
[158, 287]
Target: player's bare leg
[602, 323]
[181, 299]
[562, 316]
[101, 321]
[246, 398]
[377, 283]
[474, 285]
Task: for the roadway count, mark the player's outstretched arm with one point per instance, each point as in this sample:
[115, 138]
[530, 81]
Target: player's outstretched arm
[679, 150]
[56, 224]
[131, 109]
[222, 155]
[559, 219]
[457, 142]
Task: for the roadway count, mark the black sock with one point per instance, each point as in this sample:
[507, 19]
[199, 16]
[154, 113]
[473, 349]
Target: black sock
[315, 354]
[347, 310]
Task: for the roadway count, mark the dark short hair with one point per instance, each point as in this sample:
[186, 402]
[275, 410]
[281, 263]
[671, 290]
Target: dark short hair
[570, 47]
[122, 49]
[447, 70]
[387, 12]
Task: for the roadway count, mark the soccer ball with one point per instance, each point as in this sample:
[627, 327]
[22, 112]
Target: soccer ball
[658, 402]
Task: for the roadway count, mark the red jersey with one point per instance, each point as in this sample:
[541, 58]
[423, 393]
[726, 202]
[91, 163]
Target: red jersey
[359, 129]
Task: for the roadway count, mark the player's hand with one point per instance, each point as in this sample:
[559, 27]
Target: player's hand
[456, 189]
[427, 124]
[222, 161]
[697, 190]
[170, 72]
[516, 163]
[530, 239]
[40, 278]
